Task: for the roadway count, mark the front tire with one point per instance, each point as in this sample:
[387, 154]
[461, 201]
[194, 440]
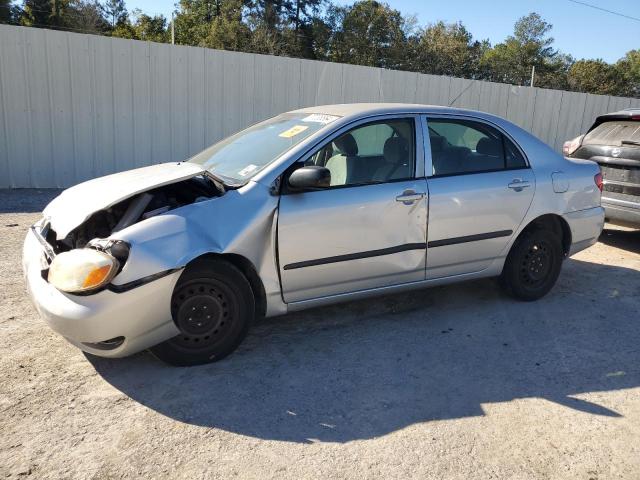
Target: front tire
[533, 265]
[213, 307]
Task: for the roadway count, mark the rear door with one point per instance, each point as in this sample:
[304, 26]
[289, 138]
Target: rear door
[368, 229]
[480, 188]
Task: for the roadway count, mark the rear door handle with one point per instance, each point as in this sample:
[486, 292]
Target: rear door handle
[518, 185]
[409, 196]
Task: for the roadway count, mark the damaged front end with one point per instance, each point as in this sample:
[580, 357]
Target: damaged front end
[104, 223]
[81, 254]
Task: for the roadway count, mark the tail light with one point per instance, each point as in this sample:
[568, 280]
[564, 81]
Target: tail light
[571, 146]
[598, 179]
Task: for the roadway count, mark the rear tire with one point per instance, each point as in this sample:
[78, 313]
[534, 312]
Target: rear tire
[533, 265]
[213, 307]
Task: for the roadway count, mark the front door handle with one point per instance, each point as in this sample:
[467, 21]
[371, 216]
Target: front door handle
[518, 185]
[409, 196]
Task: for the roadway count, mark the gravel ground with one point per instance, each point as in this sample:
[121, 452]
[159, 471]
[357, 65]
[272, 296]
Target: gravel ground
[452, 382]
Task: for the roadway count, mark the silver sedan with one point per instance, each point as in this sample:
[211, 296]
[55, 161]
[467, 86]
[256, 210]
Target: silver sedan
[311, 207]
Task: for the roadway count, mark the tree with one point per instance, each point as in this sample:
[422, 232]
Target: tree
[194, 17]
[371, 33]
[36, 13]
[81, 15]
[447, 49]
[594, 76]
[143, 27]
[115, 12]
[7, 11]
[627, 69]
[227, 31]
[303, 17]
[269, 14]
[529, 46]
[85, 16]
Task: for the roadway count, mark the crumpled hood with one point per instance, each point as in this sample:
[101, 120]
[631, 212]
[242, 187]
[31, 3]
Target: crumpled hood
[76, 204]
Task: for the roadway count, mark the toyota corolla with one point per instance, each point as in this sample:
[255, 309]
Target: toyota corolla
[311, 207]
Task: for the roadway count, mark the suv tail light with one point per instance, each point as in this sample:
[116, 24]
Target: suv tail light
[571, 146]
[598, 179]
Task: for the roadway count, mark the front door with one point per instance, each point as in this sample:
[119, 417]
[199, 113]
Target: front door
[368, 229]
[480, 188]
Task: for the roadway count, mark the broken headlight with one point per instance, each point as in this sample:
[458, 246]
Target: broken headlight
[82, 270]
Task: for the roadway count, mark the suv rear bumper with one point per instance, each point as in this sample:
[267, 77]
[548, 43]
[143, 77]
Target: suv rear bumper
[622, 212]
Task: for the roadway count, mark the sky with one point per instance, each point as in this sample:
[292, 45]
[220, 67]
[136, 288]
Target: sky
[578, 30]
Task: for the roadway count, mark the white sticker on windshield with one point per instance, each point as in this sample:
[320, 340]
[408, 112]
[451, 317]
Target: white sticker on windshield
[320, 118]
[247, 170]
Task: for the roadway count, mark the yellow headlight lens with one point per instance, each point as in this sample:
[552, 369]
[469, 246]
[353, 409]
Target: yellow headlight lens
[82, 270]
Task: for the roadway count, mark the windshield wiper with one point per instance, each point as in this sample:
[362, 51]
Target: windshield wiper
[218, 183]
[630, 142]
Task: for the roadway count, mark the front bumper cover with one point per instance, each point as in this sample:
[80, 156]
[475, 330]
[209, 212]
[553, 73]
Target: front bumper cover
[141, 315]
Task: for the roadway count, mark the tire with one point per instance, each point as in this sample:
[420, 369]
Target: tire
[533, 265]
[213, 307]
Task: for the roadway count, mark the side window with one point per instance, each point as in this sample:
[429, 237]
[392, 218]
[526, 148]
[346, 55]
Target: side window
[377, 152]
[463, 146]
[513, 156]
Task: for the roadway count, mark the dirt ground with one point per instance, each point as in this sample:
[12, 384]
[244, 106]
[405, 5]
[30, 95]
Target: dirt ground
[455, 382]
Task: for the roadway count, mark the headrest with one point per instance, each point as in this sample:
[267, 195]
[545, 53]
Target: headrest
[437, 143]
[347, 145]
[489, 146]
[395, 150]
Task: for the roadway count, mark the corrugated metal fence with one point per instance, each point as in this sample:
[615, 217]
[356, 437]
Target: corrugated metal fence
[76, 106]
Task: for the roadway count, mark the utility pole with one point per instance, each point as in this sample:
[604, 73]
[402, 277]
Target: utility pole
[533, 74]
[173, 29]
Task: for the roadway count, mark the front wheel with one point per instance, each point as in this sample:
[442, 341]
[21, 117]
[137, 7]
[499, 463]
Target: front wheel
[213, 307]
[533, 265]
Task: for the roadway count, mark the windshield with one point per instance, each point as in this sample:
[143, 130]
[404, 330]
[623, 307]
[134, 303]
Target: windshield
[241, 156]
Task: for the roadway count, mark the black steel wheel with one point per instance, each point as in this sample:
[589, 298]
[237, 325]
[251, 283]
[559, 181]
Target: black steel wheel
[533, 265]
[213, 308]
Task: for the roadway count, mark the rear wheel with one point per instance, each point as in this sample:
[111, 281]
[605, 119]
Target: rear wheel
[533, 265]
[213, 307]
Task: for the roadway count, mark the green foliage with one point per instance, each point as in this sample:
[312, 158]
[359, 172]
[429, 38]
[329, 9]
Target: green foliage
[115, 12]
[628, 71]
[370, 33]
[143, 27]
[594, 76]
[8, 12]
[39, 13]
[530, 46]
[227, 31]
[77, 15]
[447, 49]
[367, 32]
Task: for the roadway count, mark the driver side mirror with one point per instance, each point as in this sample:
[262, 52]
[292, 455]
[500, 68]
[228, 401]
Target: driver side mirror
[310, 178]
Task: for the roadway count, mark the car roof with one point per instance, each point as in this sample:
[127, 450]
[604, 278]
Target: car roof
[366, 109]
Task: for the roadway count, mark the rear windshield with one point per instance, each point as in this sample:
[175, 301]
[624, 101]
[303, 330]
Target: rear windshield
[613, 133]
